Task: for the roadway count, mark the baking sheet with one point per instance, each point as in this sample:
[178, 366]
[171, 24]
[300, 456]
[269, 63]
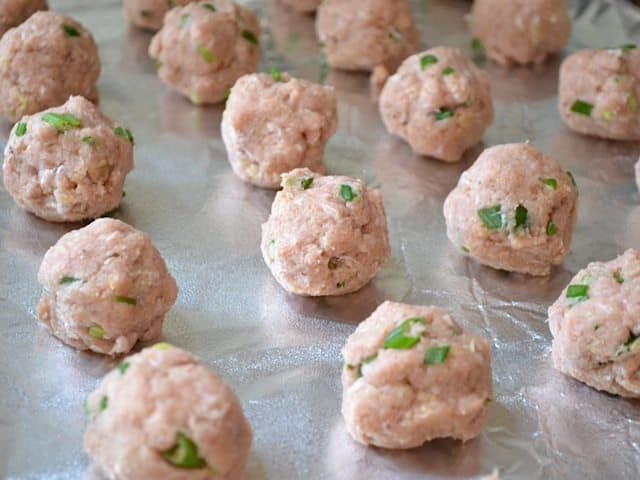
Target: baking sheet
[281, 353]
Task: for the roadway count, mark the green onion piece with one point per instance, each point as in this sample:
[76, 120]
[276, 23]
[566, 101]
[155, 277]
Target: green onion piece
[104, 403]
[596, 327]
[21, 129]
[573, 179]
[89, 140]
[436, 355]
[65, 280]
[491, 217]
[250, 37]
[275, 74]
[62, 122]
[607, 115]
[632, 103]
[340, 284]
[162, 346]
[126, 300]
[96, 332]
[522, 217]
[618, 277]
[550, 182]
[443, 114]
[366, 361]
[210, 6]
[184, 20]
[427, 61]
[184, 454]
[448, 71]
[628, 47]
[402, 337]
[465, 249]
[477, 47]
[552, 229]
[347, 193]
[582, 108]
[305, 183]
[124, 133]
[123, 367]
[206, 54]
[71, 31]
[578, 292]
[632, 338]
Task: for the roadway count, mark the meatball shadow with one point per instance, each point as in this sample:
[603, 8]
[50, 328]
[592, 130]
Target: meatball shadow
[135, 56]
[180, 117]
[524, 83]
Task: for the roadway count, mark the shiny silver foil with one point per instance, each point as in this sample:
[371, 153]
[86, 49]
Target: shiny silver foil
[281, 353]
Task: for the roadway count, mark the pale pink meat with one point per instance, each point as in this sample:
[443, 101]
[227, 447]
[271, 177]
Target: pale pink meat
[513, 180]
[637, 170]
[599, 92]
[394, 398]
[201, 52]
[151, 398]
[362, 34]
[69, 174]
[148, 14]
[270, 127]
[45, 60]
[521, 31]
[105, 288]
[14, 12]
[596, 326]
[325, 235]
[439, 102]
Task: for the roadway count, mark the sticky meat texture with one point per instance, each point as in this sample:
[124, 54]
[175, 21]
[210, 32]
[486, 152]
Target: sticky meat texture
[515, 209]
[105, 287]
[271, 126]
[149, 14]
[14, 12]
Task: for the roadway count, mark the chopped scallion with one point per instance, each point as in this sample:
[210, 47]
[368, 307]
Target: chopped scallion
[65, 280]
[62, 121]
[448, 71]
[123, 367]
[406, 335]
[249, 36]
[578, 292]
[21, 129]
[126, 300]
[184, 454]
[491, 217]
[70, 30]
[436, 355]
[428, 60]
[582, 108]
[443, 114]
[206, 54]
[550, 182]
[618, 277]
[96, 332]
[305, 183]
[347, 193]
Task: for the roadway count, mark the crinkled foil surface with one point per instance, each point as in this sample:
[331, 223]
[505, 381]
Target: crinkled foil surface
[281, 353]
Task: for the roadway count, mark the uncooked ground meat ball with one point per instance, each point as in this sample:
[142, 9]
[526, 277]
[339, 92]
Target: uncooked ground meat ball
[44, 61]
[439, 102]
[161, 414]
[303, 6]
[148, 14]
[362, 34]
[275, 123]
[105, 287]
[599, 91]
[637, 169]
[596, 326]
[14, 12]
[412, 375]
[325, 235]
[521, 31]
[204, 47]
[68, 163]
[515, 209]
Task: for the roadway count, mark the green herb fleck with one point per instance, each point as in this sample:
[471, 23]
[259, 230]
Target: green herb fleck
[465, 249]
[184, 454]
[596, 327]
[573, 179]
[89, 140]
[491, 217]
[70, 30]
[124, 133]
[477, 48]
[184, 20]
[206, 54]
[21, 129]
[632, 102]
[628, 47]
[96, 332]
[126, 300]
[305, 183]
[578, 292]
[632, 338]
[250, 37]
[210, 6]
[448, 71]
[406, 335]
[123, 367]
[618, 277]
[443, 114]
[522, 217]
[276, 74]
[582, 108]
[428, 60]
[436, 355]
[62, 122]
[607, 115]
[366, 361]
[104, 403]
[347, 193]
[550, 182]
[552, 229]
[65, 280]
[162, 346]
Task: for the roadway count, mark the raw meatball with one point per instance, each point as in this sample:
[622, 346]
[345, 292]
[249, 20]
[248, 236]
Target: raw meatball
[362, 34]
[325, 235]
[105, 287]
[515, 209]
[204, 47]
[148, 14]
[412, 375]
[302, 6]
[596, 326]
[521, 31]
[162, 415]
[637, 169]
[599, 91]
[275, 123]
[439, 102]
[44, 61]
[14, 12]
[68, 163]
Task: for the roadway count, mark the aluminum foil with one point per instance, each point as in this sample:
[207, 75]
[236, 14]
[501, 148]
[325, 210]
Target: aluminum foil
[281, 353]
